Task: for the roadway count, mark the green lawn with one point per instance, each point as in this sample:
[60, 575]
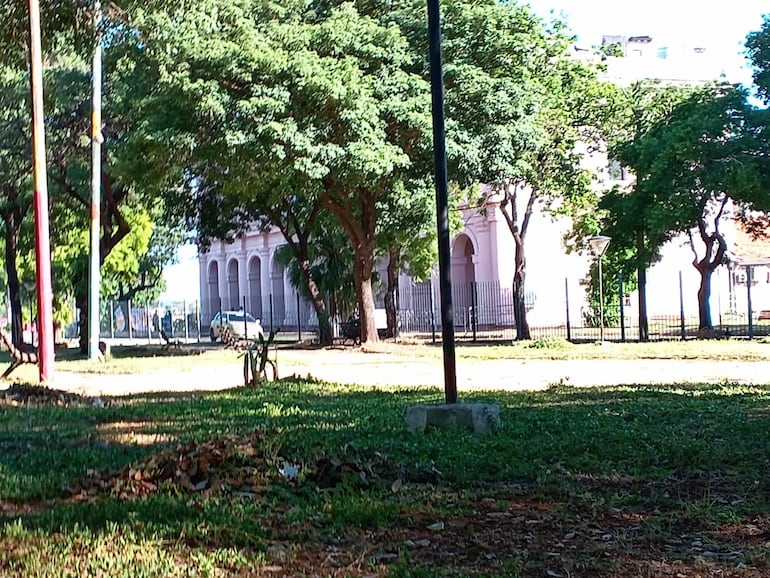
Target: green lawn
[731, 349]
[306, 478]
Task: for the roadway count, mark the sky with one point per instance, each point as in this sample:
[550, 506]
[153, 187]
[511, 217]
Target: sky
[719, 27]
[182, 279]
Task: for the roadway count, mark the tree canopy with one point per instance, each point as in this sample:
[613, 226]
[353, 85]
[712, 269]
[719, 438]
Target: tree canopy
[695, 166]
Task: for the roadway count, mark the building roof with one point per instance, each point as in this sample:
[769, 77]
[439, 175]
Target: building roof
[747, 250]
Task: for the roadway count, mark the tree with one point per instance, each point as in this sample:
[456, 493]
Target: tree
[126, 212]
[407, 238]
[696, 166]
[69, 35]
[237, 152]
[295, 112]
[553, 176]
[331, 266]
[626, 213]
[385, 130]
[521, 108]
[15, 172]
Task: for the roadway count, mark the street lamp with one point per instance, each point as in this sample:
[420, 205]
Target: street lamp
[599, 244]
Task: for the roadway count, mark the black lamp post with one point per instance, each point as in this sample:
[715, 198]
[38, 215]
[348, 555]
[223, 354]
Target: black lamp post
[442, 202]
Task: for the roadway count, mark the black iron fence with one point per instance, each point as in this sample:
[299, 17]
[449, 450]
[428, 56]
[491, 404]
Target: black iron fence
[481, 311]
[484, 311]
[191, 320]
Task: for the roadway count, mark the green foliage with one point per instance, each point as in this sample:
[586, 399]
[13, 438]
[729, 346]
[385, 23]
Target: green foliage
[556, 343]
[324, 102]
[522, 112]
[690, 164]
[332, 266]
[694, 151]
[625, 211]
[758, 51]
[132, 257]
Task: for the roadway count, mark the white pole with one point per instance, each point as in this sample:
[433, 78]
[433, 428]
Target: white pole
[96, 174]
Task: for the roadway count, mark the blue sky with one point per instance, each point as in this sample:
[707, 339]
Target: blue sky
[719, 27]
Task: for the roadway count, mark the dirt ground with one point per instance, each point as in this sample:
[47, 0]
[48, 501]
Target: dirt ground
[397, 368]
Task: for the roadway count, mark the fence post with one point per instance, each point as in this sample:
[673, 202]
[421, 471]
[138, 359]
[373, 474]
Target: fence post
[681, 308]
[128, 319]
[271, 312]
[749, 272]
[622, 310]
[198, 320]
[245, 321]
[186, 324]
[432, 313]
[149, 326]
[299, 324]
[112, 319]
[566, 301]
[474, 303]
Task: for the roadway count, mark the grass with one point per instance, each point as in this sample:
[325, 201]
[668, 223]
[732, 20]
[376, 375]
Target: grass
[320, 479]
[709, 350]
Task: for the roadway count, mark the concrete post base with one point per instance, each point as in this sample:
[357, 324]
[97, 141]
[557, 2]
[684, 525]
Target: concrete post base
[480, 418]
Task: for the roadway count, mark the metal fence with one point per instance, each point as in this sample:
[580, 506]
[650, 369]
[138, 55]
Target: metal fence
[191, 320]
[485, 312]
[481, 311]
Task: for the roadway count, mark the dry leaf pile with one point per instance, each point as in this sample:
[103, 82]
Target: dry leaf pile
[239, 465]
[230, 464]
[23, 394]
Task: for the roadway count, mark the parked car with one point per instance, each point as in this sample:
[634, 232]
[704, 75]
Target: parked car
[241, 325]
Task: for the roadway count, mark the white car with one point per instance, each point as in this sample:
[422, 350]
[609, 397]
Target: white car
[241, 325]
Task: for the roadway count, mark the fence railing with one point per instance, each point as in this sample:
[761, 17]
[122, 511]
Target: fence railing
[484, 311]
[191, 320]
[481, 311]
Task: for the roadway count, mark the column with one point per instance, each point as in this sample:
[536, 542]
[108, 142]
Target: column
[243, 278]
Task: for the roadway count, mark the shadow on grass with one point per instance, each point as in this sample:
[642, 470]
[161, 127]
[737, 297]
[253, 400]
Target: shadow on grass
[656, 447]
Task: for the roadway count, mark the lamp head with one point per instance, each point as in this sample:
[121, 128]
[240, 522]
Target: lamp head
[598, 244]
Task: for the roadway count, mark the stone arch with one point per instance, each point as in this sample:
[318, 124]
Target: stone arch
[213, 288]
[233, 291]
[255, 287]
[463, 279]
[463, 267]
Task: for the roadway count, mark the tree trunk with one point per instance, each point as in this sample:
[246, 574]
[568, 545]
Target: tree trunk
[519, 233]
[519, 301]
[360, 227]
[362, 274]
[641, 273]
[705, 268]
[12, 225]
[391, 296]
[324, 327]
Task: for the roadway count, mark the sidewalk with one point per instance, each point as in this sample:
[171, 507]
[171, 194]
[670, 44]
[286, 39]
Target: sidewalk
[377, 370]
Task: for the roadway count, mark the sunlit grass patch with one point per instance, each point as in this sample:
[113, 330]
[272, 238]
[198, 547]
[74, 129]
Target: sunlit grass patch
[605, 477]
[114, 550]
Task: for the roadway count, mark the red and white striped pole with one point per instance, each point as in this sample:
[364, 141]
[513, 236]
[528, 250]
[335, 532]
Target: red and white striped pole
[42, 238]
